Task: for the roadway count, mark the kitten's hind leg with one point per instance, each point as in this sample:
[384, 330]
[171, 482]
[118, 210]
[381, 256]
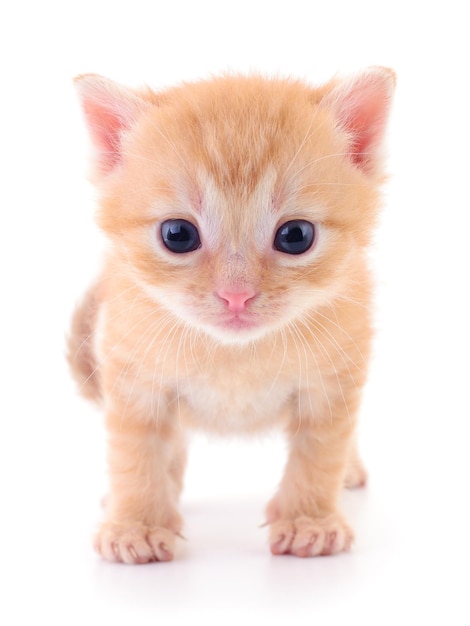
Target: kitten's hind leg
[81, 355]
[356, 473]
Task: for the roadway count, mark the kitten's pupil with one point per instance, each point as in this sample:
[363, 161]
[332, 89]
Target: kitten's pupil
[295, 237]
[180, 236]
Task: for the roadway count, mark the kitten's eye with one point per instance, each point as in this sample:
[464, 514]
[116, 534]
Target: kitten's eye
[295, 237]
[180, 236]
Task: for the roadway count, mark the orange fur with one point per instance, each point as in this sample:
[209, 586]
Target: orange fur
[154, 340]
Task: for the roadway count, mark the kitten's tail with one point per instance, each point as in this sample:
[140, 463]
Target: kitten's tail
[81, 354]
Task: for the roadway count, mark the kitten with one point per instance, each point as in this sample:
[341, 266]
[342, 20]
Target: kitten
[235, 294]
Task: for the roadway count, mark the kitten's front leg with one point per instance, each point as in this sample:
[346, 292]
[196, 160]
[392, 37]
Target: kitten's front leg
[146, 463]
[303, 516]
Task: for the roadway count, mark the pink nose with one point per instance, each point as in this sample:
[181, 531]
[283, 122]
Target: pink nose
[236, 300]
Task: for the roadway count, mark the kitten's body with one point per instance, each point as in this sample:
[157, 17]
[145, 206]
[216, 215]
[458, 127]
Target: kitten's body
[235, 335]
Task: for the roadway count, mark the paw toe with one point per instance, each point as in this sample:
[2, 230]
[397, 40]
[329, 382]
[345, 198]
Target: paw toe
[281, 535]
[162, 542]
[308, 537]
[135, 545]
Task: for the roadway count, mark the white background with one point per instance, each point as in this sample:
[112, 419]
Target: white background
[411, 558]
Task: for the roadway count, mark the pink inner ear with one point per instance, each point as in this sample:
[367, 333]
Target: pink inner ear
[367, 126]
[110, 110]
[362, 109]
[106, 128]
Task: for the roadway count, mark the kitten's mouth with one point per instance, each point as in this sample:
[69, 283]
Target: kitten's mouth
[238, 328]
[237, 322]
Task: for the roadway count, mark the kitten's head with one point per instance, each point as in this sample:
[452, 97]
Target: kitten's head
[239, 204]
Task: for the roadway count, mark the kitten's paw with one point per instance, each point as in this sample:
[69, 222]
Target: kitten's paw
[134, 544]
[307, 536]
[356, 475]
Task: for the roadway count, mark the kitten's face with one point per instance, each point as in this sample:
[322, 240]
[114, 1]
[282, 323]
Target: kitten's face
[237, 267]
[237, 207]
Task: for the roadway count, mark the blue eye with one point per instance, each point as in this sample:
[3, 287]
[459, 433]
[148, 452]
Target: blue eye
[180, 236]
[295, 237]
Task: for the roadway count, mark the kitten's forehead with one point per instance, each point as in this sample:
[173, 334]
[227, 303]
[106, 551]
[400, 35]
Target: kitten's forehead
[237, 218]
[236, 127]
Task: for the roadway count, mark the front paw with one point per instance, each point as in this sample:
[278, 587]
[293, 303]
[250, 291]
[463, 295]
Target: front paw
[134, 543]
[308, 536]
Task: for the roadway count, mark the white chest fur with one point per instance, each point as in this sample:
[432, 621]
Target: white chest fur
[242, 395]
[233, 404]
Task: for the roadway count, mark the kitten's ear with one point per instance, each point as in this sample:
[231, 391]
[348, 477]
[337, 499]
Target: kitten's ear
[361, 106]
[110, 110]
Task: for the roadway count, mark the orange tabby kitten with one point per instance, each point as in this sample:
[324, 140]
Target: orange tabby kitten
[235, 293]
